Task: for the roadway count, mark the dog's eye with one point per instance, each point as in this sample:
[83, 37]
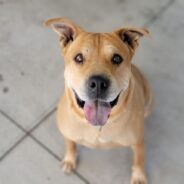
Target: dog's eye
[116, 59]
[79, 58]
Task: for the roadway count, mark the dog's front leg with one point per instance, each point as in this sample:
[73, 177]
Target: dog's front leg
[138, 173]
[69, 160]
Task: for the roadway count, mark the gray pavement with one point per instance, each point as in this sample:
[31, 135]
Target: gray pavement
[31, 82]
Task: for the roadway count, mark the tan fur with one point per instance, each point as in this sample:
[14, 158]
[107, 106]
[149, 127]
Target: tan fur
[125, 126]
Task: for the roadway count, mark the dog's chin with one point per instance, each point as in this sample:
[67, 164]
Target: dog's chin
[96, 111]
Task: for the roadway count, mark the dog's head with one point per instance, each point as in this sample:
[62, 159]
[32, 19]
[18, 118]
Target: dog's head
[97, 65]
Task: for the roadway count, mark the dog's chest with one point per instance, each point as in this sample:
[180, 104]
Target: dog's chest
[97, 139]
[102, 139]
[102, 136]
[107, 137]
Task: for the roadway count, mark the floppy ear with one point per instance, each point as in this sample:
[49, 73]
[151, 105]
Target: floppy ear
[66, 29]
[131, 36]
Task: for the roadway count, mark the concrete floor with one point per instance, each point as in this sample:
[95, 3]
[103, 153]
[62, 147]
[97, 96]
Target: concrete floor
[31, 81]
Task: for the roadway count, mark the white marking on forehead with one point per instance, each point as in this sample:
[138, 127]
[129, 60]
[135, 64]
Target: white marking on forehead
[109, 48]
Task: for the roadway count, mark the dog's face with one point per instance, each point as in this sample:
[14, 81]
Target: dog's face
[97, 66]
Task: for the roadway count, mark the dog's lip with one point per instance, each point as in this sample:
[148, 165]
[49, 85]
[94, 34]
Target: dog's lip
[81, 102]
[115, 101]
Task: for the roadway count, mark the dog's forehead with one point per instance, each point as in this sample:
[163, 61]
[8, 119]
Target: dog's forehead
[106, 42]
[113, 44]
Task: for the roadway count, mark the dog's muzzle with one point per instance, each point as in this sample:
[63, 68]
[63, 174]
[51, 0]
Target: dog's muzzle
[97, 109]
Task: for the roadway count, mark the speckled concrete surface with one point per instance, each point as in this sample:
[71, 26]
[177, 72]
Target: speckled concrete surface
[31, 81]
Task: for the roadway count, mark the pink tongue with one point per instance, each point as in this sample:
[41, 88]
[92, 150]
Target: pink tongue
[96, 112]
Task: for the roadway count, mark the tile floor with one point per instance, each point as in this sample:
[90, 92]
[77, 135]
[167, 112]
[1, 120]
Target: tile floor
[31, 81]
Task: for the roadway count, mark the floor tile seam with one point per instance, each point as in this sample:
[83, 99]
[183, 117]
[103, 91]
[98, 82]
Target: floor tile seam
[56, 156]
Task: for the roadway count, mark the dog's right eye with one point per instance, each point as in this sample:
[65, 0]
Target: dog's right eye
[79, 58]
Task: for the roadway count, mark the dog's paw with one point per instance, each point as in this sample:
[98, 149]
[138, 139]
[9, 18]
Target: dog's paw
[68, 165]
[138, 177]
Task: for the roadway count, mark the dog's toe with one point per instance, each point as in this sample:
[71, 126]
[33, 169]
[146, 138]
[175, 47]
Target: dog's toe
[138, 177]
[68, 166]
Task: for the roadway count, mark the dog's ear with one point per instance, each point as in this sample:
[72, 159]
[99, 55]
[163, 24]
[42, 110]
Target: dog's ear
[65, 28]
[131, 36]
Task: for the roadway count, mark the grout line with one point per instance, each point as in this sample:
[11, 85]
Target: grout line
[159, 14]
[13, 147]
[28, 133]
[44, 118]
[41, 118]
[13, 121]
[57, 157]
[44, 147]
[81, 177]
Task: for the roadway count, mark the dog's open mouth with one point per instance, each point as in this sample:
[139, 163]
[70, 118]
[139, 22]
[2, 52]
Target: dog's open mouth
[96, 112]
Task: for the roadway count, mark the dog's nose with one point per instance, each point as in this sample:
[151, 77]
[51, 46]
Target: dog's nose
[97, 86]
[98, 83]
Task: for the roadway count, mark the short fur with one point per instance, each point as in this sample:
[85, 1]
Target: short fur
[125, 126]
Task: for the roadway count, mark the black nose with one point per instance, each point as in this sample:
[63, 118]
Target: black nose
[97, 86]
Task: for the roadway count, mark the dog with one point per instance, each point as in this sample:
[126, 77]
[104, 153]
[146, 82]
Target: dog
[106, 97]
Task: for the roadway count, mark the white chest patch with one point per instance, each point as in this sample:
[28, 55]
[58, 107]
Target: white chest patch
[103, 140]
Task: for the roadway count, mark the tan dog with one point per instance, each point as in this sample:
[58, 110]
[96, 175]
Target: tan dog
[106, 98]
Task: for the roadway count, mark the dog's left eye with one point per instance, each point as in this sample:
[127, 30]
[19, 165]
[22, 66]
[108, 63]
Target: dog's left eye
[116, 59]
[79, 58]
